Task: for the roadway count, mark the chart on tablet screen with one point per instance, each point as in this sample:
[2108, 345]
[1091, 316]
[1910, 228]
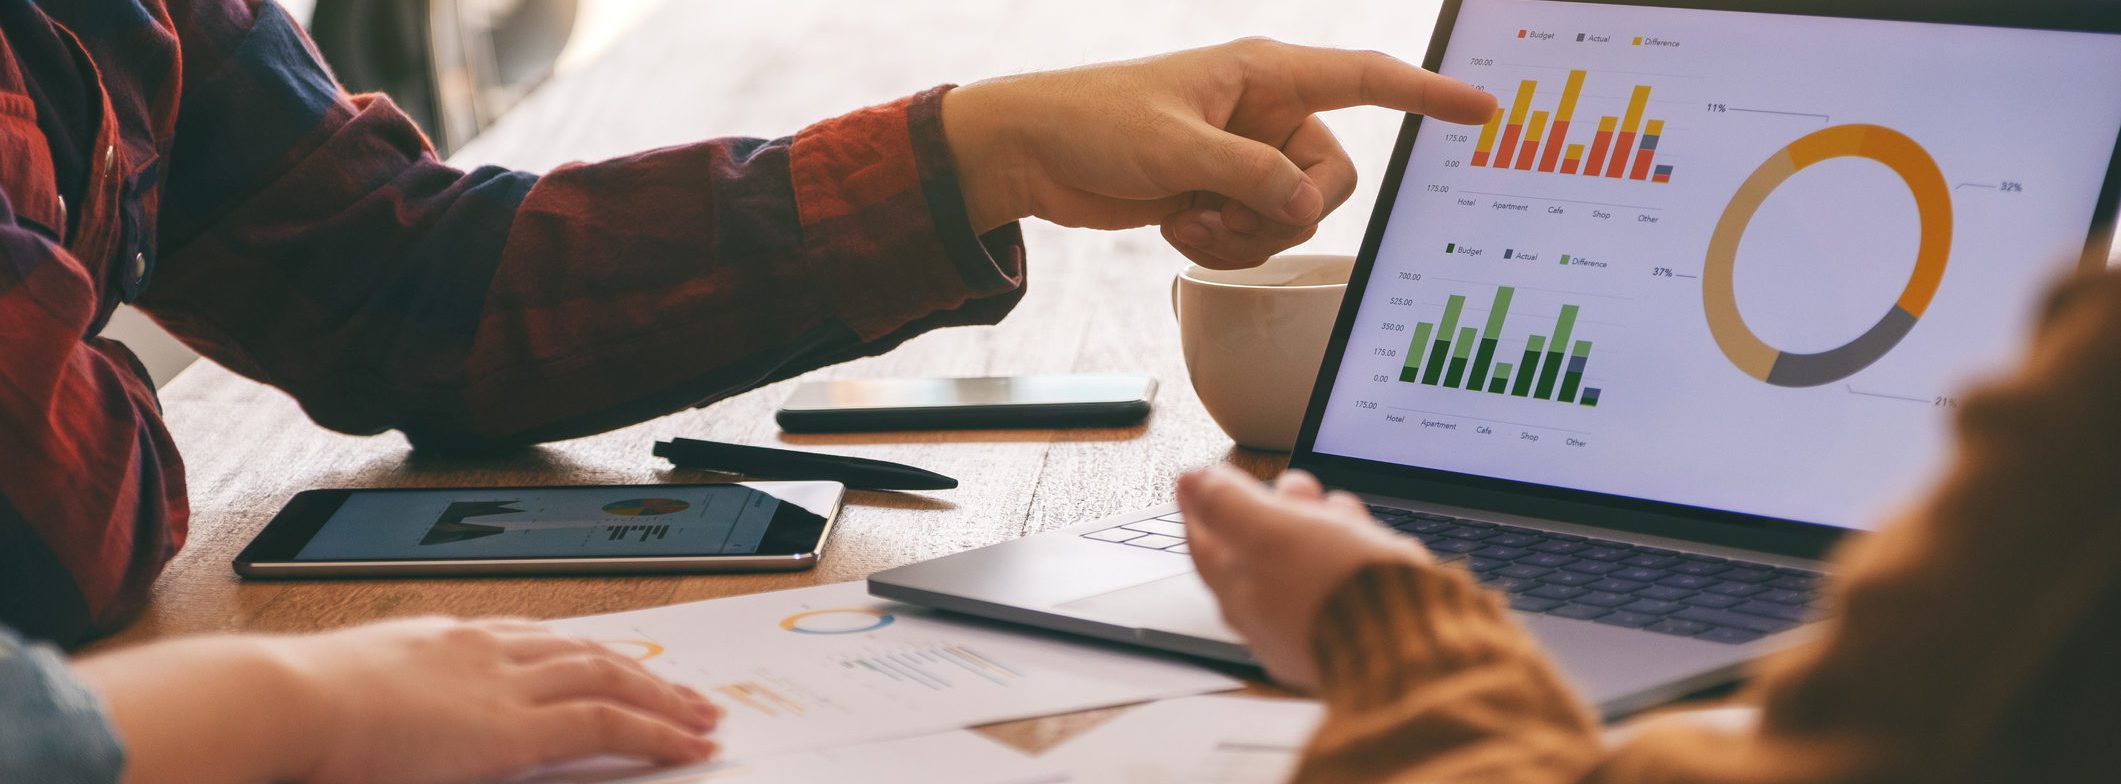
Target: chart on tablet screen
[1685, 235]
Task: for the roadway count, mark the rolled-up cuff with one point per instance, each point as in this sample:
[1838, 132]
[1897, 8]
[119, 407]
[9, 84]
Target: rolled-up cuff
[1395, 626]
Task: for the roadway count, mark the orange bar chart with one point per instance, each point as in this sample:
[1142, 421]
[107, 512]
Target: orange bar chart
[1515, 126]
[1617, 165]
[1532, 135]
[1486, 147]
[1524, 138]
[1601, 144]
[1649, 150]
[1558, 136]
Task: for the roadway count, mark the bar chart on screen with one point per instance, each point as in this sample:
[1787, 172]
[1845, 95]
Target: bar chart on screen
[1553, 365]
[1686, 239]
[1622, 145]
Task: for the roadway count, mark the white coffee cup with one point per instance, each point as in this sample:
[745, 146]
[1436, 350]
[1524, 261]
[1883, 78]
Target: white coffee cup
[1253, 339]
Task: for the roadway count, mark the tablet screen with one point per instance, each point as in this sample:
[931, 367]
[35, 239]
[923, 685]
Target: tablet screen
[553, 522]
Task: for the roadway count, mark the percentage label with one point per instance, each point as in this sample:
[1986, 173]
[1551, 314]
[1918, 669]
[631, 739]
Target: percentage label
[1947, 402]
[1717, 108]
[1661, 272]
[2012, 187]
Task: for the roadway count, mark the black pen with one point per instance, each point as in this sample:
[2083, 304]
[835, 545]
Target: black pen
[767, 463]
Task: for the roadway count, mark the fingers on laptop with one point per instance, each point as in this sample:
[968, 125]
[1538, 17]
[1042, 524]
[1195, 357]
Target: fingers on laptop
[1298, 483]
[1210, 500]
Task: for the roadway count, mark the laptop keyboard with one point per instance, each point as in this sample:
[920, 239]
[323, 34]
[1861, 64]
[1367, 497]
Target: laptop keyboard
[1614, 583]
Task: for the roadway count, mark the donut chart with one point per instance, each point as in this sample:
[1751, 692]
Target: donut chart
[1933, 203]
[637, 650]
[837, 621]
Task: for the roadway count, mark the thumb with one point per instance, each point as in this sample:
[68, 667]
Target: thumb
[1223, 502]
[1250, 172]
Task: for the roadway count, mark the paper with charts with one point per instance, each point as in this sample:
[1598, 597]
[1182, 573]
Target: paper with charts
[973, 759]
[1196, 740]
[830, 665]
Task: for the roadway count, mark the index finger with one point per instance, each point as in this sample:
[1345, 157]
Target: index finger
[1328, 79]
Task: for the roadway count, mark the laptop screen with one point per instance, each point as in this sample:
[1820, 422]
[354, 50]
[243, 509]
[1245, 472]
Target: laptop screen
[1726, 260]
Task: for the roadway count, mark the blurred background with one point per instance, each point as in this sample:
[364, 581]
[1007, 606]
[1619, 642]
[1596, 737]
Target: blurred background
[532, 84]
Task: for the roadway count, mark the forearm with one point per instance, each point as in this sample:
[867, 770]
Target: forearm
[994, 169]
[736, 263]
[208, 709]
[91, 488]
[312, 240]
[602, 294]
[1427, 679]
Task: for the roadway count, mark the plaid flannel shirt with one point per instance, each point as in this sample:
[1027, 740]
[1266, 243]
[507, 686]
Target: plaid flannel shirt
[310, 239]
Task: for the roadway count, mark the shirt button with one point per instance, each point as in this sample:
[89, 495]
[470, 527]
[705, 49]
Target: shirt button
[110, 157]
[139, 268]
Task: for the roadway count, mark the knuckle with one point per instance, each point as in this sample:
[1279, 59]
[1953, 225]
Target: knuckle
[607, 674]
[1251, 52]
[1153, 124]
[606, 722]
[470, 635]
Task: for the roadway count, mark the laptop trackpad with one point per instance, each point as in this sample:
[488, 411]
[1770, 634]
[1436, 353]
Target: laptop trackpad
[1180, 604]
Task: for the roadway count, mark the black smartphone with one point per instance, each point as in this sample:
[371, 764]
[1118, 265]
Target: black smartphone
[747, 526]
[966, 403]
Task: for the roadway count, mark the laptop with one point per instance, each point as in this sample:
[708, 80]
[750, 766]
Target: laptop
[1689, 310]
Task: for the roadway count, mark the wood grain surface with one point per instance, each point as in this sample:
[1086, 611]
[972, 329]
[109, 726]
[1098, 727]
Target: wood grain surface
[1098, 303]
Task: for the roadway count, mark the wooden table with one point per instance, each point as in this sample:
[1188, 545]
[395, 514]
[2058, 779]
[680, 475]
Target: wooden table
[1098, 303]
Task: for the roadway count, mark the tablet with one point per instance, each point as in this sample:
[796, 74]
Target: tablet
[748, 526]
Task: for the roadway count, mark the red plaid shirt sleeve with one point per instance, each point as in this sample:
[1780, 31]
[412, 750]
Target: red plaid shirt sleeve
[310, 239]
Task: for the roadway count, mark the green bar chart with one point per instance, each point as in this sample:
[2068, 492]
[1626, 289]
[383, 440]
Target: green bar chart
[1553, 367]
